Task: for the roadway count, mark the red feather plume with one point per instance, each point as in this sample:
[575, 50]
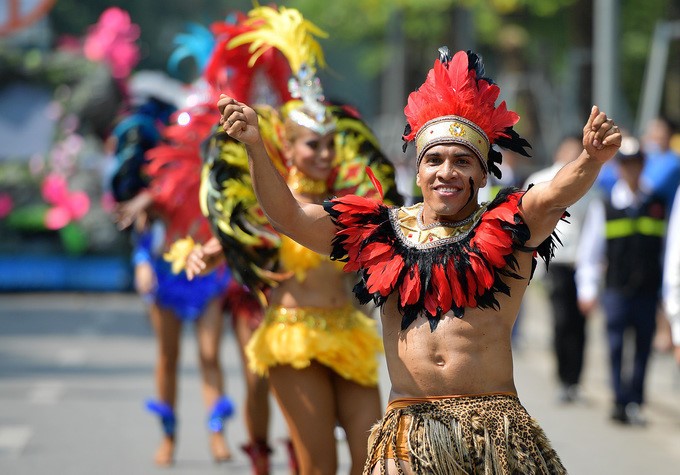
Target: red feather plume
[375, 181]
[439, 294]
[384, 275]
[484, 276]
[455, 90]
[227, 70]
[457, 294]
[174, 169]
[471, 296]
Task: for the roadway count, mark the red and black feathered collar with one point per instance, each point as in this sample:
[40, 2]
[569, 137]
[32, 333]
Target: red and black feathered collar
[433, 270]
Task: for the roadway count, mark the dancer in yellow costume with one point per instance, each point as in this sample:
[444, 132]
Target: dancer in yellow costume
[340, 337]
[318, 349]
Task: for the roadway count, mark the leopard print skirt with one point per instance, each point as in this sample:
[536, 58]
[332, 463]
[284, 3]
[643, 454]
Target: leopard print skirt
[462, 435]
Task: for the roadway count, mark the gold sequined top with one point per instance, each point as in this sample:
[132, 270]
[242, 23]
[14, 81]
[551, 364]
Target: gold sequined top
[340, 318]
[296, 258]
[412, 232]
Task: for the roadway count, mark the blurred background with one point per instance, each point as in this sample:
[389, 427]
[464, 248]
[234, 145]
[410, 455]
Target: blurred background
[58, 102]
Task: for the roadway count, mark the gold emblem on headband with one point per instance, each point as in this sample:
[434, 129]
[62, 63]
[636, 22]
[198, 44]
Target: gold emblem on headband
[457, 129]
[453, 129]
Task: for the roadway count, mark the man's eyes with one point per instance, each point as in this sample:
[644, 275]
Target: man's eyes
[432, 160]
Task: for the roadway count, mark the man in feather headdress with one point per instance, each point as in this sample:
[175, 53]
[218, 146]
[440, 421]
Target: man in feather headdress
[448, 274]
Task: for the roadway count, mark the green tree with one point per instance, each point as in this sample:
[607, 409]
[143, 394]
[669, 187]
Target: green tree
[547, 35]
[550, 40]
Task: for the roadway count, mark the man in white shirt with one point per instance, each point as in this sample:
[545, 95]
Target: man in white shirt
[671, 277]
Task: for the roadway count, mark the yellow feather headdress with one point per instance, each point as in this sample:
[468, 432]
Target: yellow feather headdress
[288, 31]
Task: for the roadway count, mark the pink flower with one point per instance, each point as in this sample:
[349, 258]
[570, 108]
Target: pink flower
[112, 41]
[6, 204]
[67, 206]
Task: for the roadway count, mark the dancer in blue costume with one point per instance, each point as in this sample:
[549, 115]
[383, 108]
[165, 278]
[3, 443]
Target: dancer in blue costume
[225, 68]
[148, 190]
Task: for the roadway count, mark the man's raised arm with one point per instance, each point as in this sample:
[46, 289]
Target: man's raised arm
[545, 203]
[306, 223]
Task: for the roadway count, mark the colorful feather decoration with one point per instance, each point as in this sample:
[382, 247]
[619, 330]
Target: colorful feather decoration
[230, 70]
[433, 280]
[249, 242]
[456, 87]
[174, 169]
[286, 30]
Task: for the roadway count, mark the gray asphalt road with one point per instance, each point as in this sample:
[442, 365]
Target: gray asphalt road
[76, 368]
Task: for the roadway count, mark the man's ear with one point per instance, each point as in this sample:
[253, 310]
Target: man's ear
[484, 179]
[418, 179]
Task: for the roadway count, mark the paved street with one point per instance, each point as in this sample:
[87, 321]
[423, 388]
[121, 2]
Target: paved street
[76, 368]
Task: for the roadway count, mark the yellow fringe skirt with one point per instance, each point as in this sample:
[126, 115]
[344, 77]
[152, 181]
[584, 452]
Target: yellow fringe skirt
[344, 339]
[490, 434]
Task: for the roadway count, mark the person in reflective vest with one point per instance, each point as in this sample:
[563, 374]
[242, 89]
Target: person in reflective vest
[622, 242]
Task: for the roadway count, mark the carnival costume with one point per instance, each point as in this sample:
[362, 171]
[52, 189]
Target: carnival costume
[490, 433]
[343, 338]
[443, 268]
[174, 170]
[158, 147]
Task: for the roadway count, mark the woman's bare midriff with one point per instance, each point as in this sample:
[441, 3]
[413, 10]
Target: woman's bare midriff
[324, 286]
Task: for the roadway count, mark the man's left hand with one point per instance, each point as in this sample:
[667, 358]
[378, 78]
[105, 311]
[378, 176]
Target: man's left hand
[601, 136]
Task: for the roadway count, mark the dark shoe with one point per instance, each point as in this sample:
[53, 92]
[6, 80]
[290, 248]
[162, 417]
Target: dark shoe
[568, 394]
[619, 414]
[258, 452]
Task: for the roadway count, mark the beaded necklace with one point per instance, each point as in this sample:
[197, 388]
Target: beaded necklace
[302, 184]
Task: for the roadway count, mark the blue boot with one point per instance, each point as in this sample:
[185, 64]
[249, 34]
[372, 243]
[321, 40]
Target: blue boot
[221, 411]
[166, 414]
[165, 454]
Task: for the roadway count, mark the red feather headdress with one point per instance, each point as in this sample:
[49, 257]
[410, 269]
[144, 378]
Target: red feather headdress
[230, 70]
[175, 171]
[457, 104]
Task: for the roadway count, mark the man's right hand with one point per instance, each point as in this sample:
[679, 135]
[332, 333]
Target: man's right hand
[239, 120]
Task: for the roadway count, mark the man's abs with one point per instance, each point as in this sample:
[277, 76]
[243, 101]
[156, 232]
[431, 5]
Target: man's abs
[472, 355]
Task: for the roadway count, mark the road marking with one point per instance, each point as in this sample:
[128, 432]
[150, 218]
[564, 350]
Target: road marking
[13, 439]
[71, 356]
[46, 392]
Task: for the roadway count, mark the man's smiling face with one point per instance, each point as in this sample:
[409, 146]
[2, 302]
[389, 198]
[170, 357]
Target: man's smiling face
[449, 176]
